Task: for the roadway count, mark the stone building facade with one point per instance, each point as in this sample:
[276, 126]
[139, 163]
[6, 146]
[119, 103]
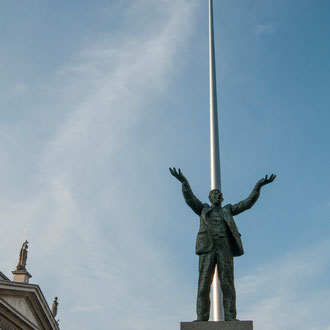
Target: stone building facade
[23, 305]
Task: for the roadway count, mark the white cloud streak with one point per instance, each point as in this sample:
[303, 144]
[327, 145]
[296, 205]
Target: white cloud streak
[86, 246]
[85, 207]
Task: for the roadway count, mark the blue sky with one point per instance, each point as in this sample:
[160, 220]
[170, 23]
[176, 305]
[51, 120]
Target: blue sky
[99, 98]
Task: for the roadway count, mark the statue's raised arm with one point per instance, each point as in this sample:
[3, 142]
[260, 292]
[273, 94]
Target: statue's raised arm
[178, 174]
[195, 204]
[266, 180]
[249, 202]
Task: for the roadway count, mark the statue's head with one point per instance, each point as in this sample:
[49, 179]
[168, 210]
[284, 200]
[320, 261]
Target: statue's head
[215, 197]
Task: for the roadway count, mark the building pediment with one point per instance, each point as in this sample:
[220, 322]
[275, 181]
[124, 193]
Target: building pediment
[23, 306]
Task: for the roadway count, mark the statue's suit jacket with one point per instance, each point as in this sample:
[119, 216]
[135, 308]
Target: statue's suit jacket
[204, 242]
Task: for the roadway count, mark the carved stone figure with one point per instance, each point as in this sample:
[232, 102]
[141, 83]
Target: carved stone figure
[218, 241]
[23, 257]
[54, 307]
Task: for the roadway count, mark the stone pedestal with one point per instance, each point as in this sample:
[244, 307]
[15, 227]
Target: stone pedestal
[219, 325]
[22, 276]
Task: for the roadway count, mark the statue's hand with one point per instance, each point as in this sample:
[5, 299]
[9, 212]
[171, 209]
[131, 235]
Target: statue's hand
[178, 174]
[266, 180]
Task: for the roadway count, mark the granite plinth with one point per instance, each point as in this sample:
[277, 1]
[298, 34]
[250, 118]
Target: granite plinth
[219, 325]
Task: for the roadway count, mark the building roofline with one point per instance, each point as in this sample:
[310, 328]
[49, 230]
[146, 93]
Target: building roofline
[31, 288]
[3, 277]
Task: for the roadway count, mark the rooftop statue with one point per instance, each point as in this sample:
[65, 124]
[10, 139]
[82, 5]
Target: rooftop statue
[54, 307]
[218, 241]
[23, 257]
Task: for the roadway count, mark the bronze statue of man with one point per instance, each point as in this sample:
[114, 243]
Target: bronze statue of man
[218, 241]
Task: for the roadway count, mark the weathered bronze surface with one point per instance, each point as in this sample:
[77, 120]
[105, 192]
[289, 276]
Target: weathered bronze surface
[218, 241]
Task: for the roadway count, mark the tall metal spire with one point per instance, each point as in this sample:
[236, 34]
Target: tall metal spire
[217, 306]
[214, 133]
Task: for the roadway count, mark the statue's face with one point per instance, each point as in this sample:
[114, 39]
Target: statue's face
[216, 197]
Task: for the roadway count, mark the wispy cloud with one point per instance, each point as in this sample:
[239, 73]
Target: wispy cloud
[262, 29]
[285, 295]
[87, 246]
[85, 308]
